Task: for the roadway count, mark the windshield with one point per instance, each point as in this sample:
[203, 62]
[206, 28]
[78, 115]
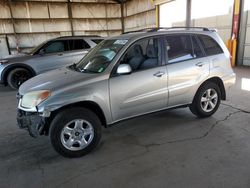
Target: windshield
[100, 57]
[34, 50]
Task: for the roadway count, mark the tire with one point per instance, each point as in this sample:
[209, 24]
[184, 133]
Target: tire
[75, 132]
[17, 77]
[205, 104]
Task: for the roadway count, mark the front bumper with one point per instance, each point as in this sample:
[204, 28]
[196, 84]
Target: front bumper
[32, 122]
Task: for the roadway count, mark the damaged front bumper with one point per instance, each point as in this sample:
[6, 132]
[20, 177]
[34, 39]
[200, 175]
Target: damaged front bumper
[32, 122]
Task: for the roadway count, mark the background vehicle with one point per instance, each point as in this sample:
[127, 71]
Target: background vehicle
[49, 55]
[124, 77]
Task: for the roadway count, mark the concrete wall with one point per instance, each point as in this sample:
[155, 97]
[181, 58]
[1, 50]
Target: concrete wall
[139, 14]
[36, 21]
[39, 20]
[246, 46]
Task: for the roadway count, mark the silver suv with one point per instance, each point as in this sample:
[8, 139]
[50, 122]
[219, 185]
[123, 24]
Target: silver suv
[124, 77]
[49, 55]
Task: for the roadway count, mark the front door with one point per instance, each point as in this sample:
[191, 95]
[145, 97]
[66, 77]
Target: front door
[145, 89]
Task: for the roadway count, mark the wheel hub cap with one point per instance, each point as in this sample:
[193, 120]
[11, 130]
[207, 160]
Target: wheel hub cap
[77, 134]
[209, 100]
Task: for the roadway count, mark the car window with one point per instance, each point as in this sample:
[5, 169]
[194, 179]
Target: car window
[100, 57]
[210, 46]
[179, 48]
[143, 54]
[78, 44]
[97, 41]
[197, 49]
[56, 46]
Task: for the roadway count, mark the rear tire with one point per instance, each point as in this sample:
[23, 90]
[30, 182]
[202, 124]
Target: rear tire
[17, 77]
[206, 101]
[75, 132]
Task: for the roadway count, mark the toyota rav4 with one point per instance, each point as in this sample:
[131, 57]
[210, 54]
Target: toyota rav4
[123, 77]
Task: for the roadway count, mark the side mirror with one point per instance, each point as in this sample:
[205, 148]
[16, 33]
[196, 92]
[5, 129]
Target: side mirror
[124, 69]
[41, 52]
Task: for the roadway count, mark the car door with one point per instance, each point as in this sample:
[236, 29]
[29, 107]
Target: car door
[53, 56]
[187, 67]
[145, 89]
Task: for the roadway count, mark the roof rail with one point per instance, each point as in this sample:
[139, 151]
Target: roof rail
[179, 27]
[153, 29]
[79, 36]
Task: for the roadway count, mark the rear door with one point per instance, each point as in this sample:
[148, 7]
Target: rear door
[78, 49]
[187, 67]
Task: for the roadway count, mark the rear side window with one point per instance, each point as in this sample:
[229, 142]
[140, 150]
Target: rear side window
[210, 46]
[97, 41]
[78, 44]
[197, 49]
[179, 48]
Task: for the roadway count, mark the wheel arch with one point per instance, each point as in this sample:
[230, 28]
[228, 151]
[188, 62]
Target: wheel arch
[14, 66]
[218, 81]
[91, 105]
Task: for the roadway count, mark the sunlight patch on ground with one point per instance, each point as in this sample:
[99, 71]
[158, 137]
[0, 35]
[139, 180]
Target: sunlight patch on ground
[245, 84]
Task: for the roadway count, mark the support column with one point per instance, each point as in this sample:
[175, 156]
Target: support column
[122, 15]
[70, 17]
[188, 13]
[14, 27]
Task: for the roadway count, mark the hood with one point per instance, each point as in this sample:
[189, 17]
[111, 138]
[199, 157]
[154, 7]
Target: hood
[16, 58]
[54, 80]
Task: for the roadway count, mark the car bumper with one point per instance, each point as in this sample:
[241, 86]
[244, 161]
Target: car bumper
[32, 122]
[229, 80]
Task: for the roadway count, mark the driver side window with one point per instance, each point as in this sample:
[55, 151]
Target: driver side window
[143, 54]
[56, 46]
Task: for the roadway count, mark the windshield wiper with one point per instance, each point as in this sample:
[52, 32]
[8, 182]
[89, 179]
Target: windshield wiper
[73, 66]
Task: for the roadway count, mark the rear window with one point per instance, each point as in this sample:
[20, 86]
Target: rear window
[210, 46]
[97, 41]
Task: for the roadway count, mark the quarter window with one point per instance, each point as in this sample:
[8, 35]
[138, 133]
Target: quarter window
[210, 46]
[179, 48]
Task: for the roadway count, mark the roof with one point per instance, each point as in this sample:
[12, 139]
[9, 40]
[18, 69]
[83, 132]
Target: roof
[78, 37]
[158, 31]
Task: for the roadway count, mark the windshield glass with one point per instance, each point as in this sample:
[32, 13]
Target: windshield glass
[100, 57]
[34, 50]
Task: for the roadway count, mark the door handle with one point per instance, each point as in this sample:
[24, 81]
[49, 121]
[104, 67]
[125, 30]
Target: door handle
[159, 74]
[200, 64]
[60, 54]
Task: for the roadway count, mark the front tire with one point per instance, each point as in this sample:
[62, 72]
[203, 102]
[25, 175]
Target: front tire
[17, 77]
[75, 132]
[206, 101]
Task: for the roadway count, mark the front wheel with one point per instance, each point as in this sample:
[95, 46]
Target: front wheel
[75, 132]
[18, 76]
[206, 101]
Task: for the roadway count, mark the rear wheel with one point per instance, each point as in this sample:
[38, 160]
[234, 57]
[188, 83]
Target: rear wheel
[75, 132]
[17, 77]
[206, 100]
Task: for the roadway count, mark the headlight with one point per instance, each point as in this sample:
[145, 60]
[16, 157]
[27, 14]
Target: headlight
[34, 98]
